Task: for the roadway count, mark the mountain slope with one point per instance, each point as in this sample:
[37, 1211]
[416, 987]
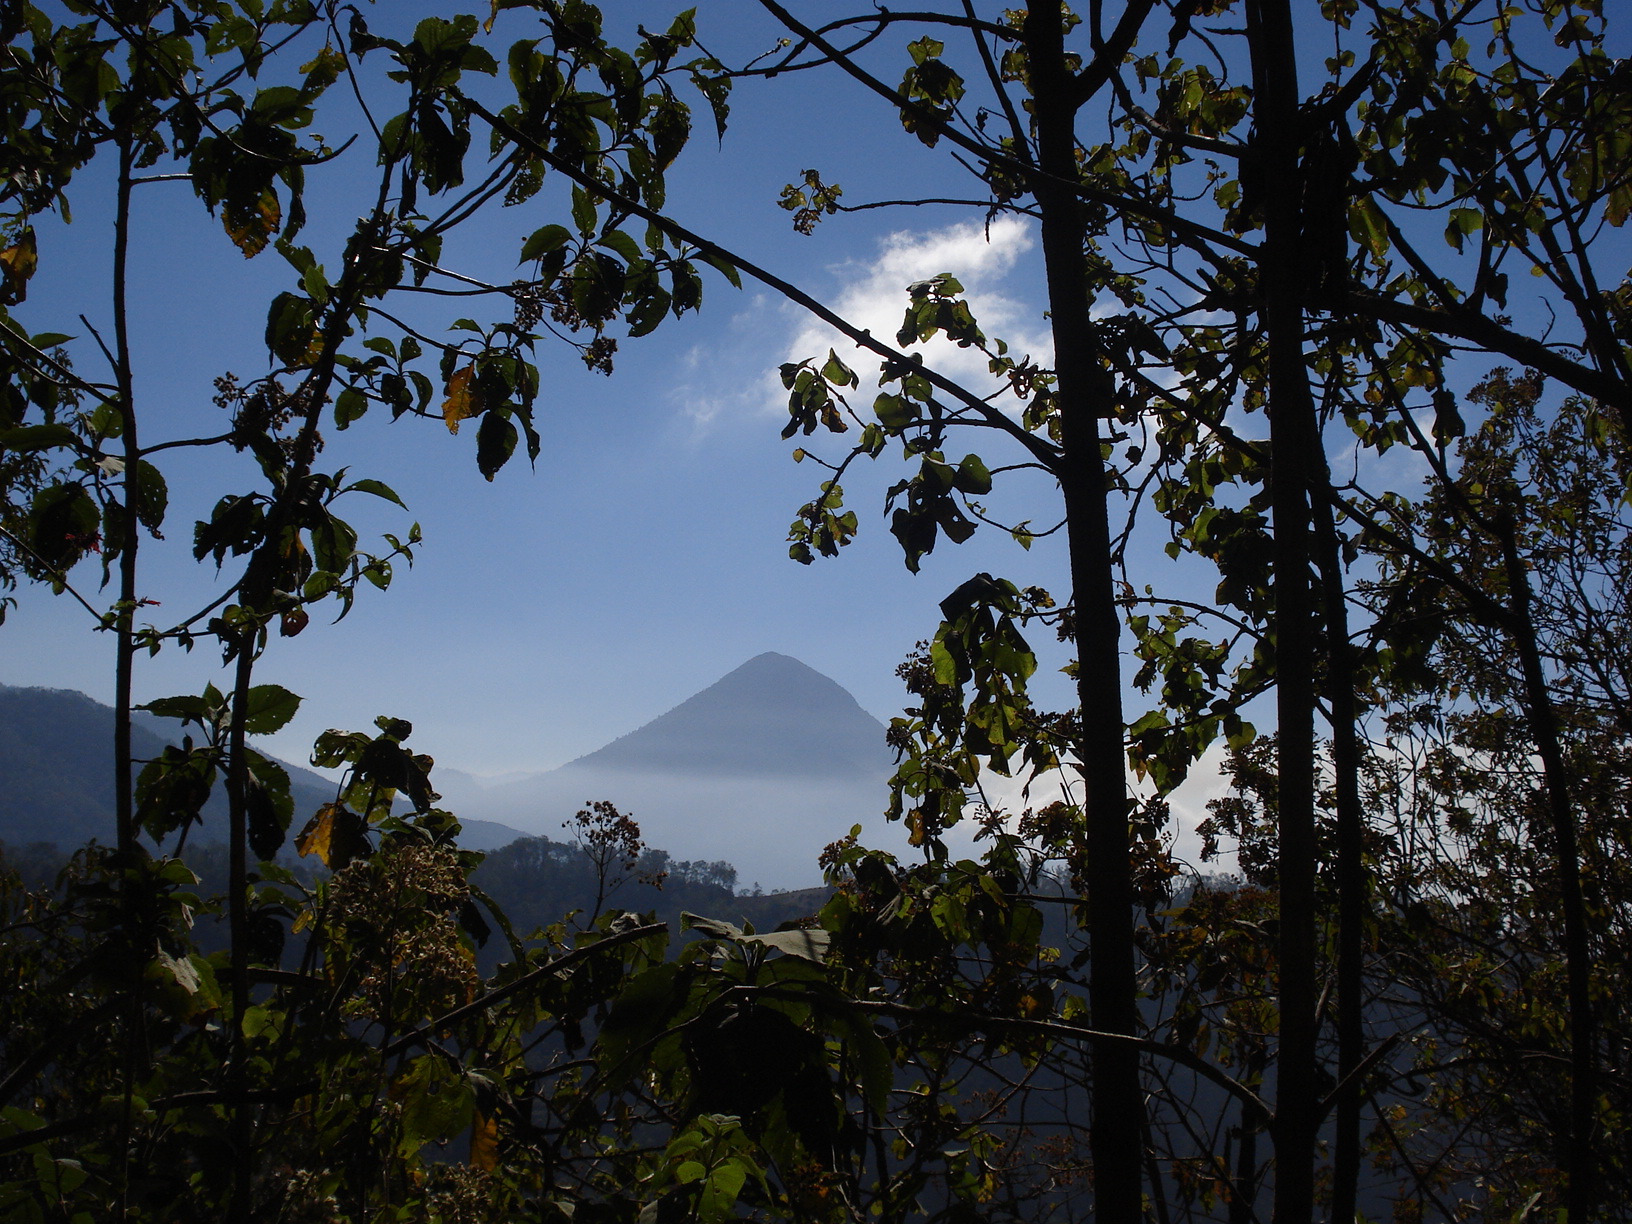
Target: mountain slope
[762, 769]
[56, 774]
[56, 766]
[771, 717]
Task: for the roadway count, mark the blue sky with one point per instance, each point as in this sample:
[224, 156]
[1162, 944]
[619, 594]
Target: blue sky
[645, 556]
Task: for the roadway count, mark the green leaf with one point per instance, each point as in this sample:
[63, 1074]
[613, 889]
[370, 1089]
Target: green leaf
[651, 310]
[106, 421]
[623, 244]
[925, 48]
[544, 240]
[811, 945]
[724, 267]
[1370, 230]
[835, 371]
[894, 412]
[583, 211]
[640, 1012]
[315, 283]
[269, 803]
[496, 439]
[436, 1101]
[152, 496]
[37, 438]
[378, 488]
[972, 476]
[349, 406]
[714, 928]
[186, 708]
[269, 709]
[1463, 221]
[173, 788]
[1241, 735]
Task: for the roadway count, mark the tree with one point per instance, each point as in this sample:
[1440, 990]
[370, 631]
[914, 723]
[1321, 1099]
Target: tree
[209, 95]
[1218, 241]
[1186, 169]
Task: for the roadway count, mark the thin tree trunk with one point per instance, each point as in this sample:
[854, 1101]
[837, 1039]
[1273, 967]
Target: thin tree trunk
[1293, 441]
[1084, 395]
[130, 535]
[1246, 1171]
[242, 1122]
[125, 830]
[1352, 906]
[1582, 1162]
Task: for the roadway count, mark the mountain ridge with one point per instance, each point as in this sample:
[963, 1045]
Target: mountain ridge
[740, 703]
[56, 773]
[762, 769]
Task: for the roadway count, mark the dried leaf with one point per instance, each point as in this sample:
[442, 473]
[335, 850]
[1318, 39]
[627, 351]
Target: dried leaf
[484, 1142]
[17, 263]
[464, 400]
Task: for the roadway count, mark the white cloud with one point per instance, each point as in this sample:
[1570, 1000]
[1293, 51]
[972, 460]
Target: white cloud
[871, 294]
[710, 383]
[1187, 806]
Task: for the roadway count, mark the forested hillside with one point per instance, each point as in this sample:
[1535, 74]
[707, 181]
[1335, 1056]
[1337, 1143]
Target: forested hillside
[1319, 401]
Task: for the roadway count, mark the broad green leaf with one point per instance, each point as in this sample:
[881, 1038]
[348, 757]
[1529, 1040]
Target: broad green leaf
[270, 806]
[36, 438]
[269, 709]
[583, 211]
[197, 709]
[835, 371]
[350, 405]
[972, 476]
[894, 412]
[1368, 227]
[544, 240]
[378, 489]
[152, 496]
[811, 945]
[714, 928]
[495, 442]
[436, 1103]
[623, 244]
[724, 267]
[173, 788]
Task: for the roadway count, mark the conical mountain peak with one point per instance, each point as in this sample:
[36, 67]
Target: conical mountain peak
[771, 716]
[761, 769]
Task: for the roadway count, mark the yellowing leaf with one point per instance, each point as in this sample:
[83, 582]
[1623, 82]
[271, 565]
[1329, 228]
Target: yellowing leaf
[251, 228]
[484, 1142]
[464, 400]
[17, 264]
[1618, 205]
[318, 835]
